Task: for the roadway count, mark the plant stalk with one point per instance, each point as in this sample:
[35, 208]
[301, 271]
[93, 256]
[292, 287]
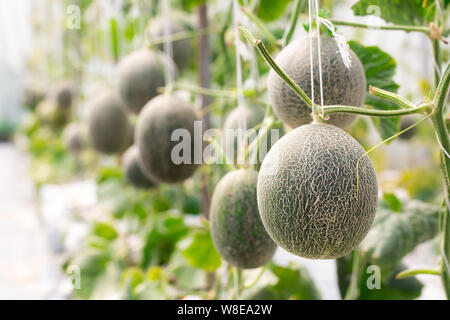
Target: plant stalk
[377, 113]
[391, 96]
[440, 101]
[410, 273]
[406, 28]
[271, 62]
[206, 91]
[299, 4]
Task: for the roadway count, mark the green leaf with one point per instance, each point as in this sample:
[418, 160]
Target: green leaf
[390, 287]
[292, 282]
[270, 10]
[105, 231]
[190, 278]
[403, 12]
[200, 252]
[161, 239]
[106, 173]
[380, 70]
[389, 240]
[92, 265]
[189, 5]
[393, 202]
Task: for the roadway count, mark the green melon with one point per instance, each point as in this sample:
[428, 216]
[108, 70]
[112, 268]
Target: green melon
[236, 227]
[63, 94]
[160, 117]
[253, 116]
[108, 124]
[341, 86]
[140, 75]
[133, 171]
[74, 137]
[181, 49]
[307, 193]
[405, 123]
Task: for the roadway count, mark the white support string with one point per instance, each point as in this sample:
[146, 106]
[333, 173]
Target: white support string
[240, 90]
[168, 50]
[311, 54]
[341, 42]
[344, 48]
[319, 56]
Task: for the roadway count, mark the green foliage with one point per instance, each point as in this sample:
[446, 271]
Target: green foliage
[393, 202]
[397, 234]
[390, 287]
[380, 70]
[292, 282]
[270, 10]
[92, 263]
[163, 234]
[104, 230]
[191, 4]
[404, 12]
[200, 252]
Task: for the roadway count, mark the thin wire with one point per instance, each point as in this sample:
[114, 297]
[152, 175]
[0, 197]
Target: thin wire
[319, 55]
[168, 50]
[240, 90]
[311, 59]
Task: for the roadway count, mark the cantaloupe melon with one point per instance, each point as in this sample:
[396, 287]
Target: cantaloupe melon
[307, 192]
[236, 227]
[140, 75]
[341, 86]
[75, 137]
[133, 171]
[156, 123]
[108, 123]
[181, 49]
[63, 94]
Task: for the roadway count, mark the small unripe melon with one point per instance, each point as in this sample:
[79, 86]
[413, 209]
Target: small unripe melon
[405, 123]
[236, 227]
[181, 49]
[133, 171]
[141, 73]
[63, 94]
[74, 136]
[307, 192]
[109, 127]
[156, 123]
[341, 86]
